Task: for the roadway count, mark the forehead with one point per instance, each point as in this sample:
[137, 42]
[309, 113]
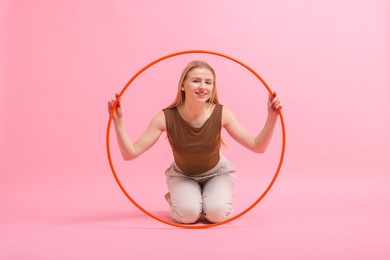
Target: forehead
[200, 73]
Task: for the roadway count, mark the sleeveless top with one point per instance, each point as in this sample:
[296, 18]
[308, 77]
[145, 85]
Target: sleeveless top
[195, 150]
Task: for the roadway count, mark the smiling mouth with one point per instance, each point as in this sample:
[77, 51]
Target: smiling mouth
[201, 93]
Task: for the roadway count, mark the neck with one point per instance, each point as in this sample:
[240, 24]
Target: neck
[194, 110]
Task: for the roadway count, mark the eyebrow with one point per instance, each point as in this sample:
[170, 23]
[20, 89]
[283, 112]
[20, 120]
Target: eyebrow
[201, 78]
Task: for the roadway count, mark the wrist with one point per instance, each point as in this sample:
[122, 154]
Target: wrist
[118, 122]
[273, 114]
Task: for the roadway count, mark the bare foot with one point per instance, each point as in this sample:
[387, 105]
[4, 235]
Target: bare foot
[168, 198]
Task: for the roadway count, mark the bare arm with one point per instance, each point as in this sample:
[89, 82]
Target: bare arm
[259, 143]
[131, 150]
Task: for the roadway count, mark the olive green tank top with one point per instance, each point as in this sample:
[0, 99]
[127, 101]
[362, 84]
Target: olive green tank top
[195, 150]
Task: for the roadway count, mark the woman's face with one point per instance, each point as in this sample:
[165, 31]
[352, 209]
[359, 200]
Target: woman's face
[198, 85]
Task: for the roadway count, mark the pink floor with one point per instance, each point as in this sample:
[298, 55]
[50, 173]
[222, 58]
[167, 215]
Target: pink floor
[298, 219]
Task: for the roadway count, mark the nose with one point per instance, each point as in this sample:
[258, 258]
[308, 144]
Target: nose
[202, 85]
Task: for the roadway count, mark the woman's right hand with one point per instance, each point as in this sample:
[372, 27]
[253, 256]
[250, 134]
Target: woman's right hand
[118, 114]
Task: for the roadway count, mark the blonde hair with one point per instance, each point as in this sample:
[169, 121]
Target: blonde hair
[180, 95]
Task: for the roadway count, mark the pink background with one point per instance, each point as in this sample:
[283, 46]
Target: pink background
[62, 60]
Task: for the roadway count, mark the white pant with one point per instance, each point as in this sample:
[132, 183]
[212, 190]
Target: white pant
[209, 194]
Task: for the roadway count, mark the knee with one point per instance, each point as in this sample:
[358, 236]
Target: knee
[186, 214]
[217, 212]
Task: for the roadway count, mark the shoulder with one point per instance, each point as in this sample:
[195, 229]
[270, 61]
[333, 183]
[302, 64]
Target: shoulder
[217, 107]
[158, 120]
[168, 110]
[227, 115]
[226, 111]
[169, 114]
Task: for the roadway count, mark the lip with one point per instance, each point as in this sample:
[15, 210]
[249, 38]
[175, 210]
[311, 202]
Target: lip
[201, 94]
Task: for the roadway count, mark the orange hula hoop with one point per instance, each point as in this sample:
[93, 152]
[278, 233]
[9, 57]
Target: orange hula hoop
[187, 225]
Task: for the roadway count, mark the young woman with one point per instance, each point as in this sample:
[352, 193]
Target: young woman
[200, 180]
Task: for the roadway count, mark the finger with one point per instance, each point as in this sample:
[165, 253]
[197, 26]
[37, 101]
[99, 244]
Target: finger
[112, 103]
[272, 96]
[118, 98]
[279, 105]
